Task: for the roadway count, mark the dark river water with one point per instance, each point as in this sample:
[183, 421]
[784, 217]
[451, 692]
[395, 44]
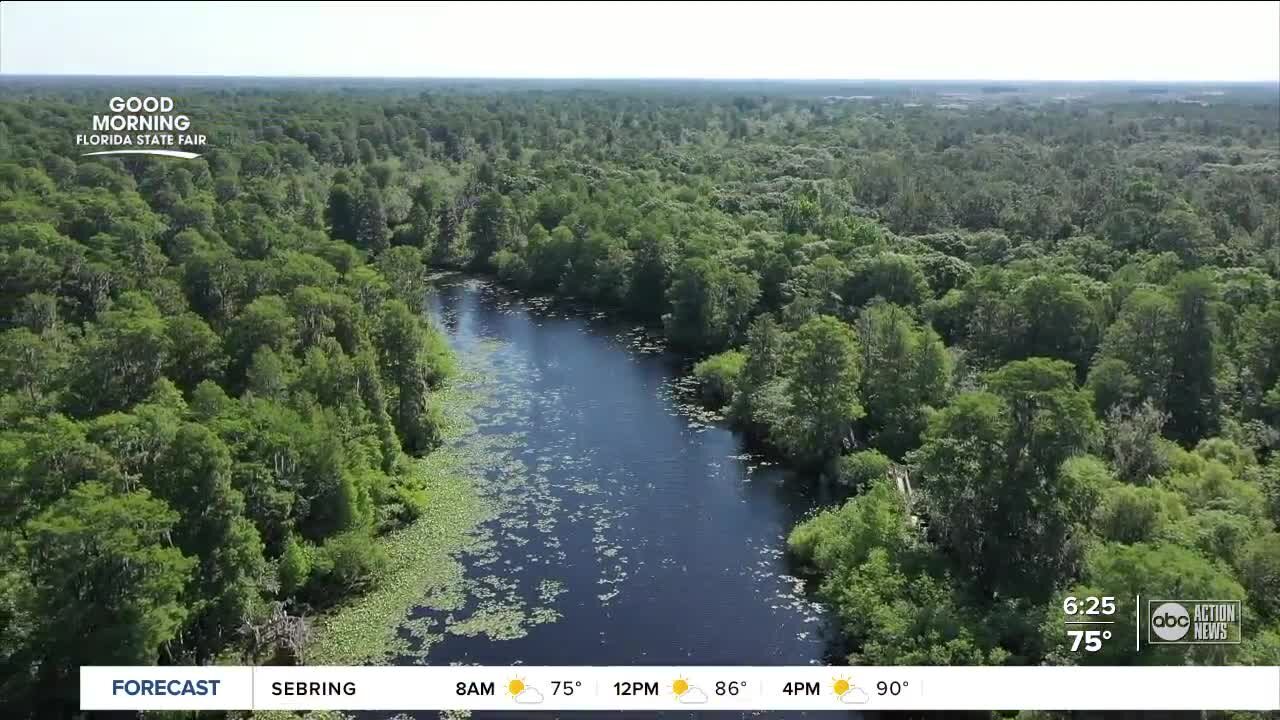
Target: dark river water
[633, 528]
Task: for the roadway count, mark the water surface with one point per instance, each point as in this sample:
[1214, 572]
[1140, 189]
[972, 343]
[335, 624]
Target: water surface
[633, 527]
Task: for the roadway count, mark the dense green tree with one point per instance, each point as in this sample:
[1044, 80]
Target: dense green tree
[268, 375]
[490, 228]
[825, 367]
[653, 258]
[1057, 320]
[710, 305]
[196, 351]
[1260, 573]
[342, 213]
[295, 567]
[1129, 514]
[194, 478]
[896, 278]
[30, 364]
[372, 232]
[862, 468]
[906, 372]
[408, 368]
[759, 378]
[404, 271]
[106, 587]
[1112, 386]
[1142, 337]
[992, 474]
[819, 289]
[1260, 354]
[42, 459]
[121, 359]
[1191, 398]
[265, 322]
[890, 606]
[718, 376]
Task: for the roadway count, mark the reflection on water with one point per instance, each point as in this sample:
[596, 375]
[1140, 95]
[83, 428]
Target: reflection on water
[633, 527]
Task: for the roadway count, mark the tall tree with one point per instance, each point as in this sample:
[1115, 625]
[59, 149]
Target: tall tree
[490, 228]
[1142, 337]
[824, 366]
[1191, 398]
[403, 345]
[106, 588]
[906, 371]
[194, 477]
[197, 351]
[991, 471]
[710, 305]
[122, 358]
[371, 230]
[342, 213]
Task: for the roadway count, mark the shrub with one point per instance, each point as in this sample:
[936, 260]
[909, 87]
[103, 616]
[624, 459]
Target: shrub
[295, 567]
[718, 376]
[862, 468]
[347, 562]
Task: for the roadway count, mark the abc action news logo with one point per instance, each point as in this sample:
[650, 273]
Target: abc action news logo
[1193, 622]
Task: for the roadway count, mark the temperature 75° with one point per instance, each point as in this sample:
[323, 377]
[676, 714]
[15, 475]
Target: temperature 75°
[1090, 639]
[565, 687]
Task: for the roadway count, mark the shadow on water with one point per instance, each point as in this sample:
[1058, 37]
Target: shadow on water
[633, 528]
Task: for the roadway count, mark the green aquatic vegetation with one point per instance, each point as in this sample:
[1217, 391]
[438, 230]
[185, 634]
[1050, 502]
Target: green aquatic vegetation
[549, 590]
[499, 623]
[520, 489]
[543, 615]
[422, 559]
[419, 636]
[489, 451]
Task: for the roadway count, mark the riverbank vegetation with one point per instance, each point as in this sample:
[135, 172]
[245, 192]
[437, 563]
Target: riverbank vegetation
[1057, 321]
[211, 409]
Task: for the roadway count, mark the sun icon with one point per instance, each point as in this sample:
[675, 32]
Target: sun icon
[680, 686]
[515, 686]
[841, 685]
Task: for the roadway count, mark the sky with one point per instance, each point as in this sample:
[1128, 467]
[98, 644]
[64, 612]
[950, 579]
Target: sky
[1159, 42]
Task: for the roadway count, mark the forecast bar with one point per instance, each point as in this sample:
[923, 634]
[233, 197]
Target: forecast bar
[679, 688]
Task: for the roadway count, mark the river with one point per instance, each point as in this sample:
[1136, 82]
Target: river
[632, 527]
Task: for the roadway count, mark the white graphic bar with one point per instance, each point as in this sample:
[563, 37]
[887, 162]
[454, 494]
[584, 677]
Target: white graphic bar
[807, 687]
[166, 153]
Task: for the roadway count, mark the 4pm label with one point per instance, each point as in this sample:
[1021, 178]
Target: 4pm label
[1193, 622]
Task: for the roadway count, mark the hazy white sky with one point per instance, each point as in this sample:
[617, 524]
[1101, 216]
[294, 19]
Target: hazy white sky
[1209, 41]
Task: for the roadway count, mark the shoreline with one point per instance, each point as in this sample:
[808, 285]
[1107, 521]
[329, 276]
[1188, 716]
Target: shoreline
[424, 558]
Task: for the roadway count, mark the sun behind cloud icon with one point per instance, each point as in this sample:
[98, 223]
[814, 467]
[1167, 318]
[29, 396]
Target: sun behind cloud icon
[686, 693]
[522, 693]
[847, 693]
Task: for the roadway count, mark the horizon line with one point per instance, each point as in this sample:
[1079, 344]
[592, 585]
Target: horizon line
[1271, 81]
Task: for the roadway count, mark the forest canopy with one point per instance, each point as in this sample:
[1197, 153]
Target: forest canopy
[1056, 320]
